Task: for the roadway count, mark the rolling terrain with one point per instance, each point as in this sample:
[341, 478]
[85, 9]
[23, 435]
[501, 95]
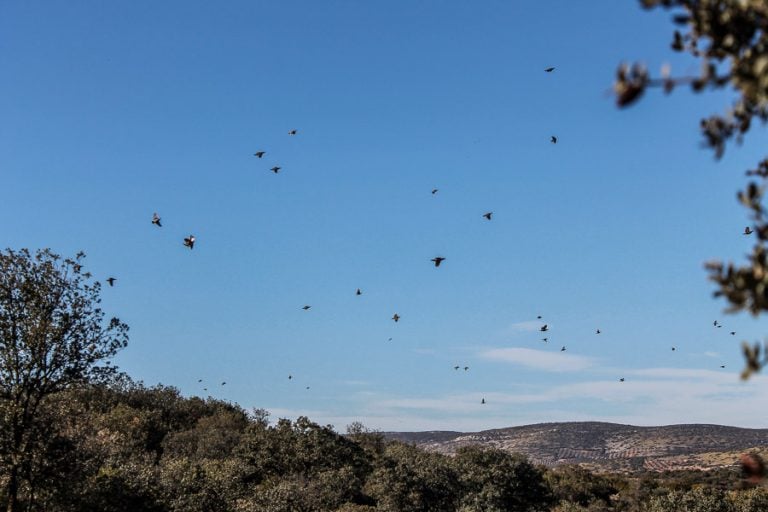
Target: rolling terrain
[607, 446]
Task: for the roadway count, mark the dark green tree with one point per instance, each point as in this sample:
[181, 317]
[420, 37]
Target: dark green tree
[493, 480]
[730, 38]
[52, 337]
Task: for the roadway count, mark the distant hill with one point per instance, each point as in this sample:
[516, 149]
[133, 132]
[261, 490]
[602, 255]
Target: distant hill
[607, 446]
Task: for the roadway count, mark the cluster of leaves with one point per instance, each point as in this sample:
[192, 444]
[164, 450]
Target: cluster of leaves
[124, 446]
[730, 38]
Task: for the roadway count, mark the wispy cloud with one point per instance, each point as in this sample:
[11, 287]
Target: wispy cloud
[648, 396]
[526, 326]
[539, 359]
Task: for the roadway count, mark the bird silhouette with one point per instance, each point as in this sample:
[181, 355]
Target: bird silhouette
[434, 191]
[456, 367]
[111, 281]
[553, 139]
[306, 307]
[156, 220]
[358, 292]
[292, 132]
[482, 401]
[199, 380]
[544, 328]
[545, 340]
[597, 331]
[538, 317]
[748, 230]
[275, 169]
[733, 333]
[290, 377]
[722, 366]
[488, 215]
[562, 349]
[190, 242]
[438, 260]
[621, 379]
[466, 368]
[307, 387]
[396, 317]
[549, 70]
[205, 389]
[224, 383]
[673, 349]
[259, 154]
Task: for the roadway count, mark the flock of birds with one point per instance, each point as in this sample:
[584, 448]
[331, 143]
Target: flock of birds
[189, 242]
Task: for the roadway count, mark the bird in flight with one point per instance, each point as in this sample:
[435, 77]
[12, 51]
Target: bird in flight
[722, 366]
[488, 215]
[673, 349]
[538, 317]
[190, 241]
[545, 340]
[748, 230]
[223, 383]
[156, 220]
[307, 387]
[275, 169]
[306, 307]
[438, 260]
[549, 70]
[597, 332]
[562, 349]
[466, 368]
[434, 191]
[396, 317]
[733, 333]
[292, 132]
[290, 377]
[259, 154]
[716, 324]
[621, 379]
[553, 139]
[111, 281]
[456, 367]
[544, 328]
[199, 380]
[482, 401]
[358, 292]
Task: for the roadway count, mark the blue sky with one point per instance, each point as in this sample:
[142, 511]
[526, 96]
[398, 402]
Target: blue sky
[112, 111]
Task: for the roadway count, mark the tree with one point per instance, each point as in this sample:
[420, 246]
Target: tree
[731, 39]
[52, 338]
[493, 480]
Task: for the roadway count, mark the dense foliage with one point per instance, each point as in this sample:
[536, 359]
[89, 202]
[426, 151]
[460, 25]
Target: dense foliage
[123, 446]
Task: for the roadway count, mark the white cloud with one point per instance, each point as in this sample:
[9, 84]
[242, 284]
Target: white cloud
[648, 396]
[539, 359]
[526, 326]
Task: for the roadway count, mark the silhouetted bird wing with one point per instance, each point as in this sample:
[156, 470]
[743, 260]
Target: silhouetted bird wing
[438, 260]
[259, 154]
[553, 139]
[488, 215]
[549, 70]
[275, 169]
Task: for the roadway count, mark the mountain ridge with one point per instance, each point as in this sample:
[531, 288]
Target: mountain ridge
[603, 446]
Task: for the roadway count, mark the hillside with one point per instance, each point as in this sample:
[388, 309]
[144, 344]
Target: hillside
[607, 446]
